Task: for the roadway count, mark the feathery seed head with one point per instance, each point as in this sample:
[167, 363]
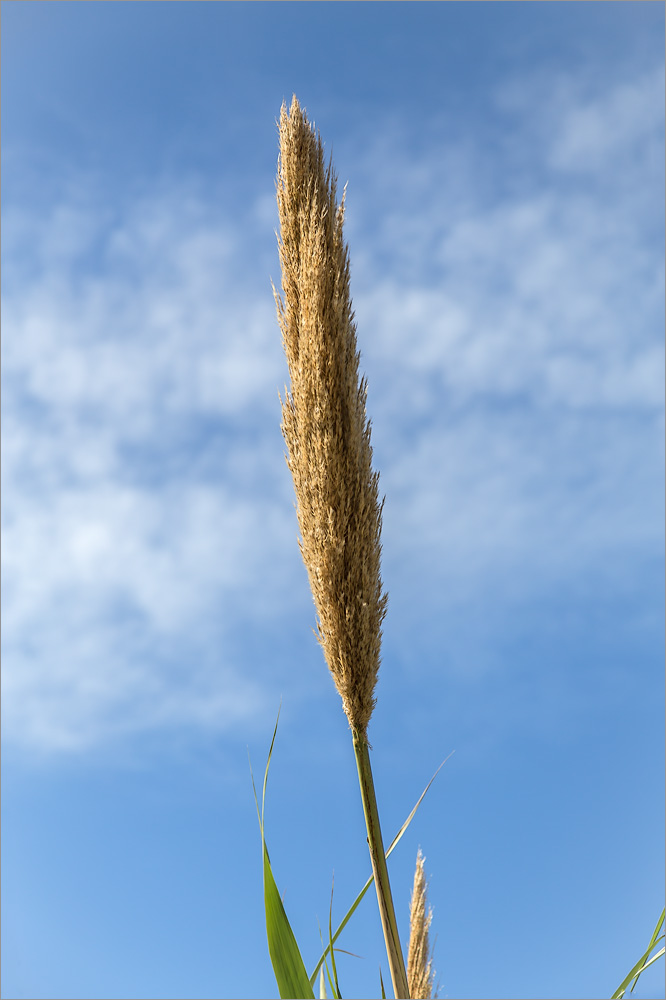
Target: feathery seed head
[324, 420]
[420, 975]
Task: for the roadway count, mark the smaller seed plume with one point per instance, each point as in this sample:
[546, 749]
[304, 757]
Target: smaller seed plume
[420, 975]
[324, 419]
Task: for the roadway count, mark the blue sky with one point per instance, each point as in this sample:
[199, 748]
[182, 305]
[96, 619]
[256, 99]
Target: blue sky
[505, 214]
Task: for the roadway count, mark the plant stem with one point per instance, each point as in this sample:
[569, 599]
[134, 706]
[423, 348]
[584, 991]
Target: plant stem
[380, 871]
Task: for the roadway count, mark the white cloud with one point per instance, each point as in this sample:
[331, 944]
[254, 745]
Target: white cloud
[133, 522]
[513, 343]
[625, 122]
[516, 334]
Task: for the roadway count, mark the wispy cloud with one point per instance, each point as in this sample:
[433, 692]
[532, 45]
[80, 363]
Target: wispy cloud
[510, 322]
[140, 511]
[518, 336]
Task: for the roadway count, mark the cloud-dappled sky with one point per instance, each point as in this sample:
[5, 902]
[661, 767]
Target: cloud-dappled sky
[505, 205]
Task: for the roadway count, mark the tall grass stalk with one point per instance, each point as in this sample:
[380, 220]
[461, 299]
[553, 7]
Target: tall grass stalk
[327, 435]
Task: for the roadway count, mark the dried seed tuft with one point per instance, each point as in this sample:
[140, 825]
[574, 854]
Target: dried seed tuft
[420, 973]
[324, 420]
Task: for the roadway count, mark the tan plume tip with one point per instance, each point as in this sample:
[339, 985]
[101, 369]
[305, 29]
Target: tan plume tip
[324, 419]
[420, 975]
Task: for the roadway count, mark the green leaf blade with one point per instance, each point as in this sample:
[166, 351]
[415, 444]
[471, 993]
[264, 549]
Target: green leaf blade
[290, 973]
[288, 966]
[644, 962]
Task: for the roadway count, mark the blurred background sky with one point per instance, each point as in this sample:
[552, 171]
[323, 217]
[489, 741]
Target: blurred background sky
[505, 219]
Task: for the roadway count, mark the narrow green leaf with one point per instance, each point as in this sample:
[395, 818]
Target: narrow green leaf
[655, 933]
[381, 982]
[367, 885]
[643, 962]
[639, 967]
[325, 966]
[290, 972]
[288, 967]
[653, 941]
[337, 993]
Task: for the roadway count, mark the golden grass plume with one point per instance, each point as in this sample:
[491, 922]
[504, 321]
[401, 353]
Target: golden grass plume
[324, 419]
[420, 974]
